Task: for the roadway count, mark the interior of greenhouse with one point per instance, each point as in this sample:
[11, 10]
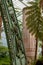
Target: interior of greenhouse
[21, 32]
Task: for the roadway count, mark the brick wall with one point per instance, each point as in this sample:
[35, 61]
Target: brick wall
[28, 39]
[41, 3]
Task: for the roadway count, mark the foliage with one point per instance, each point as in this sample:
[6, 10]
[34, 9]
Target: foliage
[34, 20]
[40, 58]
[3, 49]
[33, 62]
[4, 56]
[5, 61]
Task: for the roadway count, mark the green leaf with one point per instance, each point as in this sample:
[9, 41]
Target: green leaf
[32, 16]
[34, 20]
[29, 7]
[32, 2]
[30, 11]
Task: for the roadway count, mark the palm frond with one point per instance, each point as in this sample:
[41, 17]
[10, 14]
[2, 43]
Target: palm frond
[29, 7]
[30, 11]
[34, 20]
[31, 16]
[32, 2]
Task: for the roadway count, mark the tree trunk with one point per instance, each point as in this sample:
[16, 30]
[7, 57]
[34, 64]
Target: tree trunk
[36, 48]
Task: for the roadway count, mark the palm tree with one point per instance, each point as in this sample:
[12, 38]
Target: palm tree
[34, 21]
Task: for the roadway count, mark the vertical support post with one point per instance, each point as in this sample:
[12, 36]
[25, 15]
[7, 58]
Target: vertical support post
[0, 25]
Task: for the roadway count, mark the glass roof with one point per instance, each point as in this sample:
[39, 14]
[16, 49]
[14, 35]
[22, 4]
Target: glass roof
[19, 3]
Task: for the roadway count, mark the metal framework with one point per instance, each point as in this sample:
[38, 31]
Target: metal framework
[13, 33]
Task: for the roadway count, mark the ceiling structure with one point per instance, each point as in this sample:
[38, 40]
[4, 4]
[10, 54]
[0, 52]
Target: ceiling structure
[20, 4]
[17, 4]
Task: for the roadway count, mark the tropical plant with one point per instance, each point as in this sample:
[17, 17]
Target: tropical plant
[34, 21]
[4, 56]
